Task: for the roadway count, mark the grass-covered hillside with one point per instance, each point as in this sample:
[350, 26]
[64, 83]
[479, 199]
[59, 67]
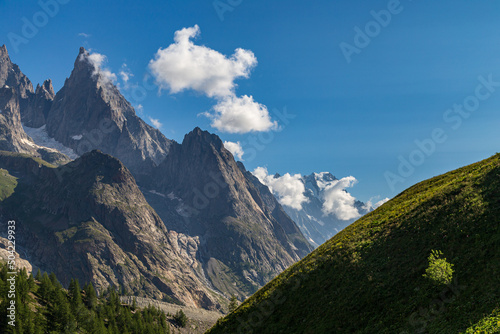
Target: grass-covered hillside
[428, 261]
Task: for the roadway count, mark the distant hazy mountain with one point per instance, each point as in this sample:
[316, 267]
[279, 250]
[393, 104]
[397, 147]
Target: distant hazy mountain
[318, 203]
[311, 219]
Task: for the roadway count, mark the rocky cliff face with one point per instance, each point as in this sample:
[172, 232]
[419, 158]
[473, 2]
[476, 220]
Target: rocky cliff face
[36, 109]
[243, 239]
[11, 75]
[16, 95]
[34, 105]
[90, 113]
[89, 220]
[12, 136]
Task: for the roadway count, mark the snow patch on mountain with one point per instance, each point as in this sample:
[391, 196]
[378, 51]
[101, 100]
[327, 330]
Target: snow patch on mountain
[42, 138]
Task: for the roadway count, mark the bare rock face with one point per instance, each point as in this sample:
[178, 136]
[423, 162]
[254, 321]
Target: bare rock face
[90, 113]
[11, 75]
[12, 136]
[36, 109]
[17, 95]
[243, 239]
[89, 220]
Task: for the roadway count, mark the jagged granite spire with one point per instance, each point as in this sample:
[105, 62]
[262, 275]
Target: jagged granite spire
[12, 135]
[89, 112]
[11, 75]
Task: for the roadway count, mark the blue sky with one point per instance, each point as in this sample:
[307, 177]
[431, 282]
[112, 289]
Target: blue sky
[358, 117]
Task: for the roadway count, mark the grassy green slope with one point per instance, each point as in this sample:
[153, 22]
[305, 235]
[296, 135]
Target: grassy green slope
[369, 278]
[7, 184]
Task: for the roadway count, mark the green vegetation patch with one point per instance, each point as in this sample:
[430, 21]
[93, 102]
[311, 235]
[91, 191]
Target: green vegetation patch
[7, 184]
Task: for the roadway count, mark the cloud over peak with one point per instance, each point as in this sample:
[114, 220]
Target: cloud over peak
[288, 188]
[337, 201]
[98, 60]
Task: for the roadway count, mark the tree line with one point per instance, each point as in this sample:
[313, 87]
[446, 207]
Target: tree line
[44, 306]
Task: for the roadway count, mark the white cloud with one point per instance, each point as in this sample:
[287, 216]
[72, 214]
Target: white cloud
[97, 60]
[337, 201]
[240, 115]
[125, 73]
[156, 123]
[288, 188]
[82, 34]
[140, 109]
[235, 149]
[184, 65]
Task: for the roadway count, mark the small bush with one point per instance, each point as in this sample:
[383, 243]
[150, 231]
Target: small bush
[233, 303]
[181, 318]
[439, 270]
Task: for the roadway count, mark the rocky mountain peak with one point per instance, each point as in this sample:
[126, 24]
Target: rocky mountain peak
[11, 75]
[4, 55]
[96, 158]
[84, 67]
[202, 137]
[89, 103]
[46, 89]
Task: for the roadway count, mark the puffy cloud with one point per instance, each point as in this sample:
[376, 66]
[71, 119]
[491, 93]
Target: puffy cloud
[156, 123]
[288, 188]
[97, 60]
[184, 65]
[337, 201]
[240, 115]
[235, 149]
